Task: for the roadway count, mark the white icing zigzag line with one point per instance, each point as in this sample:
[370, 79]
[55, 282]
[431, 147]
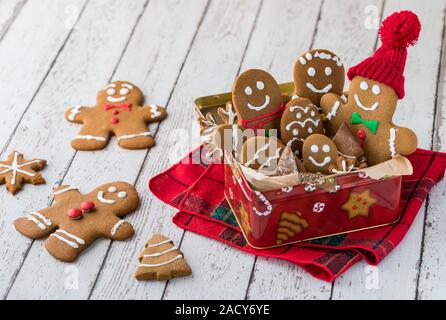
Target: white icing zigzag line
[159, 243]
[103, 200]
[303, 123]
[160, 253]
[74, 112]
[43, 218]
[257, 155]
[90, 137]
[305, 110]
[37, 222]
[334, 110]
[392, 142]
[269, 207]
[154, 110]
[132, 136]
[179, 256]
[268, 161]
[14, 167]
[116, 227]
[69, 188]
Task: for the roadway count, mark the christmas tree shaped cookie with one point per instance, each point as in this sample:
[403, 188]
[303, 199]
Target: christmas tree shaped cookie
[161, 260]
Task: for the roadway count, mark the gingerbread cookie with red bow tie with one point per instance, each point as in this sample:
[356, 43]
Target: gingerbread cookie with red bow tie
[76, 220]
[119, 112]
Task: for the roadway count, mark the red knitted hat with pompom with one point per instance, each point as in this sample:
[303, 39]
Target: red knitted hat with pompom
[397, 32]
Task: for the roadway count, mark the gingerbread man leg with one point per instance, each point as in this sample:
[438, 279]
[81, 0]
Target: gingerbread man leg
[66, 245]
[91, 137]
[137, 137]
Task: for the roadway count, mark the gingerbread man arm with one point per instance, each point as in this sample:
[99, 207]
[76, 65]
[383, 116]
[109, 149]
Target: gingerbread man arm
[76, 114]
[35, 225]
[402, 141]
[117, 229]
[153, 113]
[330, 104]
[64, 192]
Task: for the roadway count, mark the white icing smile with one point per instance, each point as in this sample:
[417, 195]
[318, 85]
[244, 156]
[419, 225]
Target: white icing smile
[359, 103]
[104, 200]
[315, 90]
[263, 106]
[320, 164]
[113, 99]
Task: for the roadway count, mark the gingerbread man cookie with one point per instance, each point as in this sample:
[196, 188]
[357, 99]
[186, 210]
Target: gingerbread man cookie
[316, 73]
[262, 153]
[376, 85]
[300, 119]
[118, 112]
[257, 100]
[16, 171]
[319, 153]
[76, 220]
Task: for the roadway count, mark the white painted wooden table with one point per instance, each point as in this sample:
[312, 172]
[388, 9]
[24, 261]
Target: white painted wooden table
[55, 53]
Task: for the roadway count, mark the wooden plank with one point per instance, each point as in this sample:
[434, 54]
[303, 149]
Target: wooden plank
[398, 274]
[220, 43]
[273, 278]
[39, 27]
[432, 281]
[9, 9]
[83, 67]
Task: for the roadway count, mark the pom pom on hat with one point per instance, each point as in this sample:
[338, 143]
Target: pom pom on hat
[398, 31]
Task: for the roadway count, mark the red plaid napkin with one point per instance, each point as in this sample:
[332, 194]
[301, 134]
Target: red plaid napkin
[196, 190]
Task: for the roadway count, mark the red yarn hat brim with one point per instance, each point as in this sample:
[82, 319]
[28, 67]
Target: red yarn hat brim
[381, 71]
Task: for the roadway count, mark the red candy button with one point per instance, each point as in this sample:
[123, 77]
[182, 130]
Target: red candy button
[87, 206]
[361, 134]
[74, 213]
[114, 120]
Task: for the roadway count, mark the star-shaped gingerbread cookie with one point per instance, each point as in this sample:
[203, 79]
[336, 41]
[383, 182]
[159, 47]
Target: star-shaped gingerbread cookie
[359, 204]
[16, 171]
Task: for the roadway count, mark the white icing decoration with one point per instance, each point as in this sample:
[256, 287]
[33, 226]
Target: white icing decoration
[364, 85]
[103, 200]
[260, 85]
[328, 71]
[311, 71]
[303, 123]
[124, 91]
[344, 98]
[309, 56]
[333, 111]
[74, 112]
[313, 114]
[295, 132]
[315, 90]
[294, 97]
[392, 142]
[179, 256]
[122, 194]
[267, 163]
[263, 106]
[157, 254]
[159, 243]
[257, 155]
[344, 155]
[302, 60]
[310, 130]
[132, 136]
[376, 89]
[128, 86]
[42, 222]
[37, 222]
[268, 205]
[154, 110]
[116, 227]
[112, 189]
[305, 110]
[326, 148]
[114, 100]
[326, 161]
[248, 91]
[359, 103]
[344, 168]
[15, 168]
[74, 243]
[69, 188]
[90, 137]
[314, 148]
[298, 115]
[230, 113]
[111, 91]
[327, 56]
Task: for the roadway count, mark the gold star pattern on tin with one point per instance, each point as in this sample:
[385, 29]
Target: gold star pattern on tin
[15, 171]
[359, 204]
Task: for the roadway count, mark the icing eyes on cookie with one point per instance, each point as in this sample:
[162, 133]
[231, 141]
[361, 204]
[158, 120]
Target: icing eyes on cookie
[310, 130]
[122, 194]
[248, 91]
[295, 132]
[260, 85]
[313, 114]
[311, 72]
[298, 115]
[326, 148]
[314, 148]
[364, 85]
[328, 71]
[111, 91]
[124, 91]
[112, 189]
[376, 89]
[309, 56]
